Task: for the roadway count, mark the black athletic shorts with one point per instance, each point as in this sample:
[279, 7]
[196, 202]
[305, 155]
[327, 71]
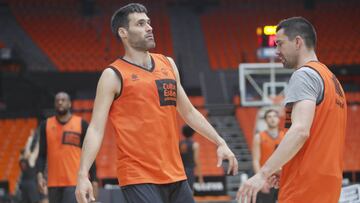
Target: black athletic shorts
[29, 191]
[267, 197]
[178, 192]
[62, 195]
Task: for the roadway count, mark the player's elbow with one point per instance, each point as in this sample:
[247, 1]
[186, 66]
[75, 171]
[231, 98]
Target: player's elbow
[187, 112]
[302, 132]
[95, 130]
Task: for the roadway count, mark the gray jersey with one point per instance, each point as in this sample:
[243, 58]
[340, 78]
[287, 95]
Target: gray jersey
[304, 84]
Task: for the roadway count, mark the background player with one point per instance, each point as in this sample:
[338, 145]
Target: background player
[264, 144]
[61, 138]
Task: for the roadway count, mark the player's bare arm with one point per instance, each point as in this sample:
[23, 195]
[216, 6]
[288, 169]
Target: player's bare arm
[302, 117]
[198, 122]
[108, 87]
[256, 151]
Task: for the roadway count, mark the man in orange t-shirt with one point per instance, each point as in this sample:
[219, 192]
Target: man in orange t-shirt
[311, 152]
[141, 94]
[264, 144]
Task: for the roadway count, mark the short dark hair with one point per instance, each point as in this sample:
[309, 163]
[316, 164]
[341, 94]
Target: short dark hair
[299, 26]
[269, 111]
[120, 17]
[187, 131]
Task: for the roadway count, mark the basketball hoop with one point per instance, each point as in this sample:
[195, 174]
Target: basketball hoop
[260, 82]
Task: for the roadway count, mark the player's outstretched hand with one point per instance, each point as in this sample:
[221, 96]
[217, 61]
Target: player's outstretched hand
[223, 152]
[84, 190]
[248, 191]
[274, 180]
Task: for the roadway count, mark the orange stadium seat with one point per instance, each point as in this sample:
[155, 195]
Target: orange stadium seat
[82, 104]
[352, 141]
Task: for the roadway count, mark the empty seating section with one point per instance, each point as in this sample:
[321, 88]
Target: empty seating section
[77, 43]
[13, 135]
[230, 32]
[352, 141]
[108, 152]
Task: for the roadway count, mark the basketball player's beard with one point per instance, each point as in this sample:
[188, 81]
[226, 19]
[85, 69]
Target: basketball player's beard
[62, 112]
[290, 63]
[143, 45]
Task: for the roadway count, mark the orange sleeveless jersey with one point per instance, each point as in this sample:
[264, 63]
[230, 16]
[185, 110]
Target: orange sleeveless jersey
[63, 151]
[268, 145]
[314, 174]
[145, 122]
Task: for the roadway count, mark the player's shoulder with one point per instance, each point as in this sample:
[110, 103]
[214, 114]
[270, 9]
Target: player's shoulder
[304, 74]
[110, 73]
[307, 74]
[162, 57]
[116, 63]
[305, 69]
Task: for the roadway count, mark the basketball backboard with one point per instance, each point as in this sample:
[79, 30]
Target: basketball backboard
[262, 84]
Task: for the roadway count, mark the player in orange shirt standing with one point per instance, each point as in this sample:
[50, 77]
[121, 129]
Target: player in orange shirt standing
[264, 144]
[60, 141]
[141, 95]
[312, 149]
